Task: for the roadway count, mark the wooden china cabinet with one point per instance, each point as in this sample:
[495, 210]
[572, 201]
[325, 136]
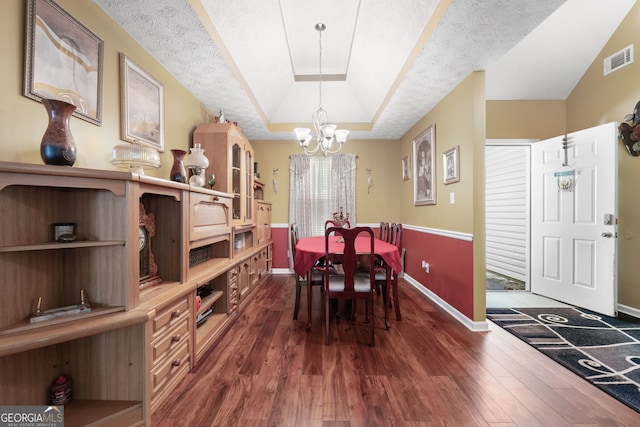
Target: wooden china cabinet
[231, 161]
[155, 263]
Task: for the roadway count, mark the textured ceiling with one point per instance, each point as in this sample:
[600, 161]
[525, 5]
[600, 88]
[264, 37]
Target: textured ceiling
[398, 59]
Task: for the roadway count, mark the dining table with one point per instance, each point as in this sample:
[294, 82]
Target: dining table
[309, 250]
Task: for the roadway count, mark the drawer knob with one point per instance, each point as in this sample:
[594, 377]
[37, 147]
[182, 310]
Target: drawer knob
[175, 313]
[175, 338]
[214, 198]
[176, 362]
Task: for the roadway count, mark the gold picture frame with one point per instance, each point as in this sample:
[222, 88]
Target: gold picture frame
[142, 105]
[424, 165]
[63, 60]
[451, 165]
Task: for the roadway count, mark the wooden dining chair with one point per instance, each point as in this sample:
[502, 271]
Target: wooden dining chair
[354, 283]
[301, 281]
[384, 231]
[394, 238]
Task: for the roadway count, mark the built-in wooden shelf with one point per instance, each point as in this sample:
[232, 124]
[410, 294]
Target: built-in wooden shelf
[26, 324]
[58, 245]
[117, 412]
[50, 334]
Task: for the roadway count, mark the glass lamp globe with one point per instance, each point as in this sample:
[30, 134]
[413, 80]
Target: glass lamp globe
[197, 162]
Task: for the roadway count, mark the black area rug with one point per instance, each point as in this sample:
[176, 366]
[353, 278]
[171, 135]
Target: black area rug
[603, 350]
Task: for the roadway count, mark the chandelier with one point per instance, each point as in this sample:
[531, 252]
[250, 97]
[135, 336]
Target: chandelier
[329, 140]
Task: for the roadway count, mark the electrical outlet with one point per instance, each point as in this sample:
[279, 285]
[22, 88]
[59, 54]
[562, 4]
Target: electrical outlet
[452, 198]
[425, 266]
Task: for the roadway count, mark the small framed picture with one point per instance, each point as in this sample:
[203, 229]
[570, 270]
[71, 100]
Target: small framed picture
[451, 165]
[142, 105]
[63, 60]
[406, 168]
[424, 163]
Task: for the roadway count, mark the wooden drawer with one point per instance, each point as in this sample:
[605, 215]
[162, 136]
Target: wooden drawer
[170, 316]
[166, 342]
[171, 369]
[209, 216]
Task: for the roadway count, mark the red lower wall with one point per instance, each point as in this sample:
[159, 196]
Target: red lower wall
[450, 274]
[450, 267]
[280, 237]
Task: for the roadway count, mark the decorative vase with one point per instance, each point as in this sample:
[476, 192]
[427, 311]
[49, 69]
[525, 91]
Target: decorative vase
[57, 146]
[178, 172]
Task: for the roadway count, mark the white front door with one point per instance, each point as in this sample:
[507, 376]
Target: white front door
[573, 229]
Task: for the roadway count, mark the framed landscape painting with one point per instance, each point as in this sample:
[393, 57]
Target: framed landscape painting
[424, 164]
[142, 109]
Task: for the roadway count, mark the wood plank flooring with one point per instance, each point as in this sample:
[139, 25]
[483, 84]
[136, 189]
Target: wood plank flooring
[427, 370]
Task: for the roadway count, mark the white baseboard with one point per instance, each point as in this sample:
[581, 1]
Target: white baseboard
[470, 324]
[281, 271]
[631, 311]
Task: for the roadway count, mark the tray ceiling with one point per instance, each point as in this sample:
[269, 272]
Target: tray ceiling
[384, 64]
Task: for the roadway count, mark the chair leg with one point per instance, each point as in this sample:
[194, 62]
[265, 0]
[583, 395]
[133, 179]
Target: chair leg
[309, 290]
[297, 306]
[326, 318]
[370, 314]
[395, 297]
[366, 310]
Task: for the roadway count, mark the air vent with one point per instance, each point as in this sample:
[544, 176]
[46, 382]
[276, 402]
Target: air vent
[618, 60]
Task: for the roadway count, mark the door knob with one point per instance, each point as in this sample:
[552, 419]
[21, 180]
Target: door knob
[606, 234]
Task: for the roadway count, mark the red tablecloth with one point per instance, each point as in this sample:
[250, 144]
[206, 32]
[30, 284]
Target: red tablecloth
[311, 249]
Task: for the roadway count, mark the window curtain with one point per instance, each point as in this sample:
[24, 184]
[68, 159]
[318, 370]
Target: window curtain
[343, 185]
[300, 193]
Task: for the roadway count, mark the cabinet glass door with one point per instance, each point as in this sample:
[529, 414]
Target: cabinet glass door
[236, 177]
[248, 185]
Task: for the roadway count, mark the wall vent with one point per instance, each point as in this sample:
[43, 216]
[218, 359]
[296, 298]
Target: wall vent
[618, 60]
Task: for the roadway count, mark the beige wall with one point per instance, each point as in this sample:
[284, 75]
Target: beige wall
[382, 156]
[23, 120]
[454, 125]
[525, 119]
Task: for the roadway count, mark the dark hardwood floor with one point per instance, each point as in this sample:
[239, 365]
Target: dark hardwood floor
[427, 370]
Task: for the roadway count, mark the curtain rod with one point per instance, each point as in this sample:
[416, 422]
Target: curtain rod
[291, 155]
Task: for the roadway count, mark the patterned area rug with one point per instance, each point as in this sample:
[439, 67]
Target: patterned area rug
[603, 350]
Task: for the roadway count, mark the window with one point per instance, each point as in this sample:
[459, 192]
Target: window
[321, 197]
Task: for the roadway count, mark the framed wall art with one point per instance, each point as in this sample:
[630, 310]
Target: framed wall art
[406, 168]
[63, 60]
[451, 165]
[424, 164]
[142, 105]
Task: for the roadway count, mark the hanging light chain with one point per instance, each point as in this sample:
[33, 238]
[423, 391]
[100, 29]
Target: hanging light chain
[320, 27]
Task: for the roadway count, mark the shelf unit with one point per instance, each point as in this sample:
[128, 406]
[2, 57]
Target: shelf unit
[126, 355]
[209, 331]
[32, 199]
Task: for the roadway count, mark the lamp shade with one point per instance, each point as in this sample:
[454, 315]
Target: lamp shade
[197, 159]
